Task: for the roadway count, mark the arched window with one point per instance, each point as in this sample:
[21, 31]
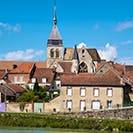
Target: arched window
[57, 53]
[83, 67]
[83, 53]
[52, 53]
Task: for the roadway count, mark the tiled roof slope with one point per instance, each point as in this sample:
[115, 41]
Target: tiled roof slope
[107, 79]
[4, 65]
[15, 88]
[69, 52]
[23, 68]
[94, 54]
[8, 65]
[66, 66]
[11, 89]
[129, 68]
[2, 74]
[47, 73]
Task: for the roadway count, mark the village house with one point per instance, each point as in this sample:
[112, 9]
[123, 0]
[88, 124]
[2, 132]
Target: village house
[43, 76]
[84, 91]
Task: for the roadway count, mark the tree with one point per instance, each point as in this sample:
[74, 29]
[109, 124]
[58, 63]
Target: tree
[26, 97]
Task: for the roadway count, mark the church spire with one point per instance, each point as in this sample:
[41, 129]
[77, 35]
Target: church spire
[55, 18]
[54, 38]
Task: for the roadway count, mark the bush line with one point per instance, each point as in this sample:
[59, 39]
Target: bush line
[56, 121]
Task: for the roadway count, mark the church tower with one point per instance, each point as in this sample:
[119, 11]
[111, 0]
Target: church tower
[54, 44]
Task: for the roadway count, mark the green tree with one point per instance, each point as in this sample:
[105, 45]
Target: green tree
[26, 97]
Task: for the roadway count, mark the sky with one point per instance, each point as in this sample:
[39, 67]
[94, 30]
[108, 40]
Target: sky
[106, 25]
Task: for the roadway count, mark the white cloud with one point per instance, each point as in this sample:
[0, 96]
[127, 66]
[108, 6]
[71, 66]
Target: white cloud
[126, 60]
[26, 55]
[127, 42]
[9, 27]
[124, 25]
[108, 53]
[82, 44]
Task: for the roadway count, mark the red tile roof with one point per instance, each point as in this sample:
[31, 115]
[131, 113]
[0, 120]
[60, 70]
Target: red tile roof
[2, 74]
[8, 65]
[107, 79]
[4, 65]
[47, 73]
[23, 68]
[66, 66]
[11, 89]
[15, 88]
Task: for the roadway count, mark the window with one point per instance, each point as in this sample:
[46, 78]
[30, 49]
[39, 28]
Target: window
[95, 104]
[82, 91]
[58, 83]
[96, 91]
[33, 80]
[83, 67]
[82, 105]
[69, 104]
[69, 91]
[57, 53]
[109, 92]
[15, 79]
[21, 79]
[83, 53]
[109, 104]
[52, 53]
[43, 80]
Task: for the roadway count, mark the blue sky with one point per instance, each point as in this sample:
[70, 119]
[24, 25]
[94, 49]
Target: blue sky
[106, 25]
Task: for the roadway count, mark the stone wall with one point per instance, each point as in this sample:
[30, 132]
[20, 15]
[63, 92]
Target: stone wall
[119, 113]
[19, 107]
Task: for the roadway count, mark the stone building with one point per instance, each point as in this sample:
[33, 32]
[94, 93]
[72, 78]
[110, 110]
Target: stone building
[77, 59]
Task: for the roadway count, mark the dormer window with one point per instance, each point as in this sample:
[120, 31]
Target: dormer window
[33, 80]
[44, 80]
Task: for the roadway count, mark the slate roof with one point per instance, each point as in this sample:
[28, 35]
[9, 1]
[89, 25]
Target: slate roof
[107, 79]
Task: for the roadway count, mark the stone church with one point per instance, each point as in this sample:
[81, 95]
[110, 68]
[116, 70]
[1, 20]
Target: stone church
[69, 60]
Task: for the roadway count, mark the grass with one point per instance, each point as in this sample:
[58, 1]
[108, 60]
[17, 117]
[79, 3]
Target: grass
[55, 121]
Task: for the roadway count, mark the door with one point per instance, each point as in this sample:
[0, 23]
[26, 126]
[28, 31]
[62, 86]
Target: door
[96, 105]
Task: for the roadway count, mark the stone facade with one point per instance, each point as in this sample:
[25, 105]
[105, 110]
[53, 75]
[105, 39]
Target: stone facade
[60, 103]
